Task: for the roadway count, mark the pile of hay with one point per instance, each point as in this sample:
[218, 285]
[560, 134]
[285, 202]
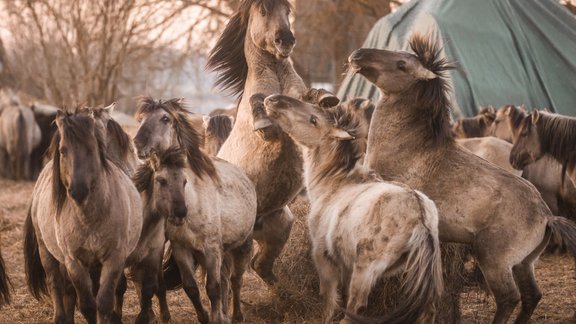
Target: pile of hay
[297, 289]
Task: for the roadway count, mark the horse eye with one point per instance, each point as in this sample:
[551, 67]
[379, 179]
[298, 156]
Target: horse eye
[162, 181]
[263, 12]
[401, 65]
[63, 151]
[165, 119]
[313, 120]
[185, 182]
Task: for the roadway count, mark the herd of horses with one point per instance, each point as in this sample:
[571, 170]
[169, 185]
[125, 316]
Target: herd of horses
[386, 181]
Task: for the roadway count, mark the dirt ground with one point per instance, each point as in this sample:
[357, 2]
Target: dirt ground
[555, 276]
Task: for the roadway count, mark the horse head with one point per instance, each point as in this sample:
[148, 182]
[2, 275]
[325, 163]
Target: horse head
[78, 154]
[269, 26]
[526, 147]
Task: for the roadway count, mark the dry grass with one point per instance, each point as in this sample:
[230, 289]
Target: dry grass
[295, 298]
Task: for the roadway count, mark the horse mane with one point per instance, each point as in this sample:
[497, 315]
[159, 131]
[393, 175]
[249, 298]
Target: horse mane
[173, 157]
[431, 95]
[188, 138]
[227, 57]
[343, 154]
[515, 117]
[557, 136]
[219, 127]
[76, 130]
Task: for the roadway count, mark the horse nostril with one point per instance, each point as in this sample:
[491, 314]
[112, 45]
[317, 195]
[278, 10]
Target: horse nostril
[278, 41]
[79, 193]
[180, 211]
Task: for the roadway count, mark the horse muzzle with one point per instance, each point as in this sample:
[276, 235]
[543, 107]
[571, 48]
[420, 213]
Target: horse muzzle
[79, 193]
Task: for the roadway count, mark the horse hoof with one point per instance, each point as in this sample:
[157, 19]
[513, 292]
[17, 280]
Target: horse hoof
[265, 274]
[166, 318]
[238, 318]
[203, 318]
[262, 123]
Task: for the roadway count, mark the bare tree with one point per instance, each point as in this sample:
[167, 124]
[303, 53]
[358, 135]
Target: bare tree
[75, 51]
[327, 31]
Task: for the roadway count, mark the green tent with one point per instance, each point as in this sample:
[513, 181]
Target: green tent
[508, 51]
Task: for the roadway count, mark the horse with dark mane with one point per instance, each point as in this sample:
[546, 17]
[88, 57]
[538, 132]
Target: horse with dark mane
[252, 56]
[502, 216]
[217, 129]
[543, 133]
[476, 126]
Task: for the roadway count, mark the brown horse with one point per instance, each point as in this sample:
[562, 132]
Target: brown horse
[85, 214]
[19, 136]
[216, 130]
[208, 220]
[491, 149]
[361, 227]
[542, 134]
[477, 126]
[507, 122]
[500, 215]
[252, 56]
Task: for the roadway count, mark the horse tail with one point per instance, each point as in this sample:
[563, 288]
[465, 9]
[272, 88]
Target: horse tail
[21, 158]
[171, 273]
[4, 284]
[566, 230]
[423, 284]
[35, 273]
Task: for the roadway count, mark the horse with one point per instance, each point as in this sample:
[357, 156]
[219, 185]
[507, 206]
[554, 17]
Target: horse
[19, 136]
[543, 133]
[491, 149]
[44, 116]
[252, 56]
[5, 295]
[361, 227]
[502, 216]
[216, 130]
[545, 173]
[85, 213]
[477, 126]
[210, 215]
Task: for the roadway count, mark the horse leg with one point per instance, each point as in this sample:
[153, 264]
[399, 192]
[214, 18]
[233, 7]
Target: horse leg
[147, 274]
[361, 283]
[55, 282]
[82, 282]
[241, 259]
[161, 294]
[500, 280]
[69, 295]
[213, 285]
[328, 274]
[529, 292]
[120, 291]
[112, 270]
[271, 236]
[185, 261]
[225, 272]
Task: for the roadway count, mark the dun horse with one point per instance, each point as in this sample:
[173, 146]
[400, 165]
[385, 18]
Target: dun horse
[361, 227]
[5, 295]
[85, 214]
[500, 215]
[253, 56]
[217, 129]
[210, 213]
[19, 136]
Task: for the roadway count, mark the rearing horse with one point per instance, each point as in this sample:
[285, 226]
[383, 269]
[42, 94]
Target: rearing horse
[252, 57]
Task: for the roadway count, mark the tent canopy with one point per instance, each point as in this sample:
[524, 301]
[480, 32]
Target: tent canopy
[508, 51]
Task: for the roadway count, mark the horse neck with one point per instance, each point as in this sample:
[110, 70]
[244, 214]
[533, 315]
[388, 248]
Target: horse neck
[316, 183]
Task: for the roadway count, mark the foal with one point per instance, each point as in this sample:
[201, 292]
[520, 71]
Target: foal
[361, 227]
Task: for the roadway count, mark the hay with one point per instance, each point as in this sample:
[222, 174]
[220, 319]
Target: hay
[297, 290]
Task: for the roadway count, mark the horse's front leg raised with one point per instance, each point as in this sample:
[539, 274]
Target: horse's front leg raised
[112, 269]
[82, 282]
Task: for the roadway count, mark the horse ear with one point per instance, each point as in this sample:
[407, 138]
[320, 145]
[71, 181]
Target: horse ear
[232, 119]
[340, 134]
[488, 118]
[508, 110]
[535, 116]
[110, 108]
[205, 120]
[422, 73]
[491, 109]
[154, 162]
